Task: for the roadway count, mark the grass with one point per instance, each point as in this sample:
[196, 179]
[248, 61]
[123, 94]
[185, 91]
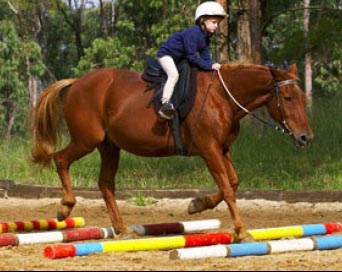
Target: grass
[264, 159]
[140, 200]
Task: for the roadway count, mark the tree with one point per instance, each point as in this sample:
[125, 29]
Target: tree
[21, 57]
[243, 45]
[286, 42]
[325, 39]
[139, 28]
[308, 60]
[15, 74]
[222, 48]
[29, 30]
[255, 16]
[73, 14]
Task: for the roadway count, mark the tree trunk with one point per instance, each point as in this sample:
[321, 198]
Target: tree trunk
[308, 59]
[255, 25]
[75, 23]
[243, 45]
[11, 110]
[222, 49]
[103, 25]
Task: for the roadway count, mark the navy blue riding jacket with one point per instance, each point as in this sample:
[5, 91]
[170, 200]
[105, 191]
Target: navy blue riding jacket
[192, 43]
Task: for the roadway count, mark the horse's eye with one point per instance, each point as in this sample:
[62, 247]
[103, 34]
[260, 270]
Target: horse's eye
[287, 98]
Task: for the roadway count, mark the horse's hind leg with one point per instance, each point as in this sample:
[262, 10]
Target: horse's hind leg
[110, 156]
[63, 160]
[200, 204]
[211, 201]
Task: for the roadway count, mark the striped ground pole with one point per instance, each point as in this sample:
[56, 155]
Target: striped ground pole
[327, 242]
[16, 239]
[13, 239]
[199, 243]
[262, 248]
[41, 224]
[158, 243]
[295, 231]
[185, 227]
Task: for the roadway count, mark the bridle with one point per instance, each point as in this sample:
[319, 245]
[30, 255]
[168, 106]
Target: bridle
[285, 128]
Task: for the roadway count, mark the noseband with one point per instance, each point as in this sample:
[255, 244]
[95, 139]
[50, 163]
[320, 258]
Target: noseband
[285, 128]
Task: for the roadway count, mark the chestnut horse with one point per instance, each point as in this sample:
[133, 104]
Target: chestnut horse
[106, 109]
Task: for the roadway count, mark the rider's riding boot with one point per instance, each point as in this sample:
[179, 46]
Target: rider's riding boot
[166, 111]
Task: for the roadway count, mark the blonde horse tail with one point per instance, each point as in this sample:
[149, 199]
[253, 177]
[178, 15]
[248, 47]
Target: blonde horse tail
[47, 123]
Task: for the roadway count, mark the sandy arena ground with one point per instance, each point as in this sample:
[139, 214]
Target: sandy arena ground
[256, 214]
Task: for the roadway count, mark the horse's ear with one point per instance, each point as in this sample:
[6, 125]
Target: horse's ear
[293, 69]
[274, 71]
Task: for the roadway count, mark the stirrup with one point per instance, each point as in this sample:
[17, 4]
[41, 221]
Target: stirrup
[166, 111]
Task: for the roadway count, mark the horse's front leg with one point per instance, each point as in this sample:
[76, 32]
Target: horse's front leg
[211, 201]
[216, 163]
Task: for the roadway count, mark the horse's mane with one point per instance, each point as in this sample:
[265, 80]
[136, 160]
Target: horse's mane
[253, 67]
[240, 65]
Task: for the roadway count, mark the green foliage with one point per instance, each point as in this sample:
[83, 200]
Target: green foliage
[58, 46]
[11, 57]
[108, 53]
[140, 200]
[285, 42]
[140, 28]
[326, 43]
[14, 75]
[134, 32]
[5, 12]
[329, 76]
[33, 52]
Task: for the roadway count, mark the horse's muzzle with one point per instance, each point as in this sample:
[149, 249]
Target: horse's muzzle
[303, 139]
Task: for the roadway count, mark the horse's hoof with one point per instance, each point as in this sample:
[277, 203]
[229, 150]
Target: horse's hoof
[196, 205]
[60, 216]
[127, 236]
[192, 208]
[243, 238]
[63, 212]
[247, 239]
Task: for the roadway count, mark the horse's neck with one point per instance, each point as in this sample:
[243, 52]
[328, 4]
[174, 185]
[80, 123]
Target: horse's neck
[250, 85]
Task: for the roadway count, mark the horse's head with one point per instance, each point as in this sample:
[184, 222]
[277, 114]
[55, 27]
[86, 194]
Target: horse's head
[287, 106]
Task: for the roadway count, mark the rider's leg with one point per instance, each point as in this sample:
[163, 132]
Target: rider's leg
[170, 69]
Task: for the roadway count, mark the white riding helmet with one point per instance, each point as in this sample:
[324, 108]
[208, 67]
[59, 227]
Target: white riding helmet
[209, 9]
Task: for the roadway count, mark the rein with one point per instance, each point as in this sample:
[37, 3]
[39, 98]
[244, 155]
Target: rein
[285, 128]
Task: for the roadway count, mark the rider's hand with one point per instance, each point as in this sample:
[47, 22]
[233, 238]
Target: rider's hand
[216, 66]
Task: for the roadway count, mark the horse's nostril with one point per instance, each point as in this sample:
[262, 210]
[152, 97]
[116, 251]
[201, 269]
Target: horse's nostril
[304, 138]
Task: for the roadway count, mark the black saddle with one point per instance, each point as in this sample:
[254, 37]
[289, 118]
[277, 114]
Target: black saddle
[182, 98]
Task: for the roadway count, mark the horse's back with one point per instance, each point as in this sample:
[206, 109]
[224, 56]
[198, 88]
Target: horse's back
[90, 92]
[114, 102]
[98, 82]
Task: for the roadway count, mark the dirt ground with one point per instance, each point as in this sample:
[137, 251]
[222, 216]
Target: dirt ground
[256, 214]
